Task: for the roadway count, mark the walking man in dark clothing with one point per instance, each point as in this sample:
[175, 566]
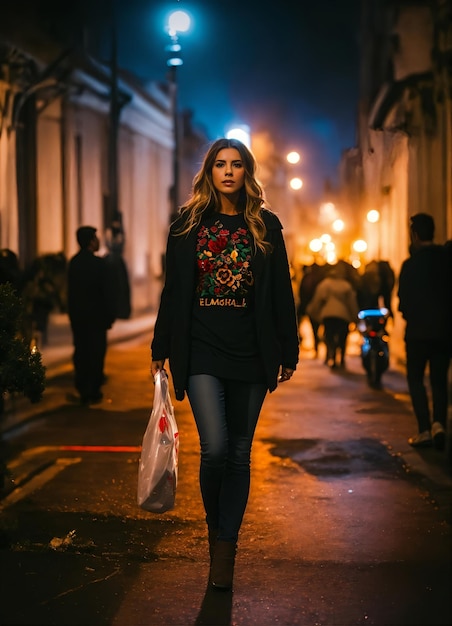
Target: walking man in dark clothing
[91, 313]
[425, 303]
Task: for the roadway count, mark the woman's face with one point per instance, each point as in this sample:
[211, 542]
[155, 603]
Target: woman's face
[228, 172]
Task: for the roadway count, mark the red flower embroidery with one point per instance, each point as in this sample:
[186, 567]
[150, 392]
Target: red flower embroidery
[218, 245]
[205, 265]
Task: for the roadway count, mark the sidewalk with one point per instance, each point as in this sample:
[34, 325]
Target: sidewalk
[59, 348]
[57, 358]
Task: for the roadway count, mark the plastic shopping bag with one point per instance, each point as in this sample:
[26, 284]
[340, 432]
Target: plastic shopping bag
[157, 472]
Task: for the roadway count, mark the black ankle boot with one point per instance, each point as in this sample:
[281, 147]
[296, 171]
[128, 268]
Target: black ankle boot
[222, 570]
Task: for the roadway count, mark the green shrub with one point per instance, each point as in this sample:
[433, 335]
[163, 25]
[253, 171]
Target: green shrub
[21, 369]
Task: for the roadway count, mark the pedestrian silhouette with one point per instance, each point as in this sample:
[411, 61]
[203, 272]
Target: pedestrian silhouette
[425, 303]
[91, 308]
[312, 275]
[115, 242]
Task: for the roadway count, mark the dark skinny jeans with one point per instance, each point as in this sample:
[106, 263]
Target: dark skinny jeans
[435, 353]
[226, 414]
[90, 347]
[336, 333]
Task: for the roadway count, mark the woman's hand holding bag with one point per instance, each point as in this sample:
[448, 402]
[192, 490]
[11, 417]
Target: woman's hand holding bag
[157, 472]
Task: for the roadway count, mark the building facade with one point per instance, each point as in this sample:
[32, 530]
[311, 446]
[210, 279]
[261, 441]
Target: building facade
[402, 164]
[55, 160]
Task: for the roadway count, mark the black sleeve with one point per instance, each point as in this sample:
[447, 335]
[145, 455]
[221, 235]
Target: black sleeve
[284, 303]
[161, 342]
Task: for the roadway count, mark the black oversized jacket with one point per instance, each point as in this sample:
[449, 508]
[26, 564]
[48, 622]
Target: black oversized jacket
[425, 294]
[276, 325]
[91, 299]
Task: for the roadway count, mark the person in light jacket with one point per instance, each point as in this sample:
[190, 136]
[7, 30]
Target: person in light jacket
[335, 305]
[227, 323]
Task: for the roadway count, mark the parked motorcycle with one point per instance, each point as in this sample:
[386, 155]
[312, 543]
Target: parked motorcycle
[375, 346]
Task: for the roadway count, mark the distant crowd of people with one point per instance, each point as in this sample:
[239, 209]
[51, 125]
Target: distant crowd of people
[331, 296]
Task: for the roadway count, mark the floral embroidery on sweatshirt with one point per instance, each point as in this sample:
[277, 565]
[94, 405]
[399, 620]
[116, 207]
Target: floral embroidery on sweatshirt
[224, 269]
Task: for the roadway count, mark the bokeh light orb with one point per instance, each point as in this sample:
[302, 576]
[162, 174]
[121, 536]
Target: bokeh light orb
[315, 245]
[373, 216]
[293, 157]
[296, 183]
[241, 133]
[359, 245]
[178, 22]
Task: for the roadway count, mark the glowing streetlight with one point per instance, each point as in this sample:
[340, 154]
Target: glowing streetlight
[293, 158]
[242, 133]
[359, 246]
[373, 216]
[178, 22]
[338, 225]
[296, 183]
[315, 245]
[330, 252]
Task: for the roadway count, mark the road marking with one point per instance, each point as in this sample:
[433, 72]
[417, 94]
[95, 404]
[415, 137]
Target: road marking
[31, 452]
[38, 481]
[101, 448]
[26, 486]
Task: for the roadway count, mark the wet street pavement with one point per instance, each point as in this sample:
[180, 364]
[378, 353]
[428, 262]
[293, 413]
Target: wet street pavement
[346, 524]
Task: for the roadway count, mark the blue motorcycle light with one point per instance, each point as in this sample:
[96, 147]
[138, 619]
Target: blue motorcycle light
[373, 313]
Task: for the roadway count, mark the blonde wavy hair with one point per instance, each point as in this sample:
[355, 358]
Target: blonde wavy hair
[205, 198]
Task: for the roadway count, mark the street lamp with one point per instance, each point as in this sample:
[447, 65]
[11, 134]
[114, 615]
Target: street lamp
[359, 247]
[293, 157]
[296, 183]
[178, 22]
[373, 217]
[315, 245]
[242, 133]
[338, 225]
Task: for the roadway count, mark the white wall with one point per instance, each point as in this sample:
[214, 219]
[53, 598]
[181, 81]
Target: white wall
[144, 178]
[9, 227]
[50, 235]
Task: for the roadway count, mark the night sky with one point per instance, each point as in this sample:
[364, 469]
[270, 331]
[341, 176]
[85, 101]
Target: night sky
[290, 67]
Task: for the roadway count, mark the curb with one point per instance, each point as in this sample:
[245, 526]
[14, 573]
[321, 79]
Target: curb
[57, 359]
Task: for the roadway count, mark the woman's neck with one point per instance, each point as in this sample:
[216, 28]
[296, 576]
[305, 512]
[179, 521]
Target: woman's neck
[228, 204]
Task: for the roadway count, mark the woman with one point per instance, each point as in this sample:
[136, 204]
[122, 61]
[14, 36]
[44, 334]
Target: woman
[335, 305]
[227, 323]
